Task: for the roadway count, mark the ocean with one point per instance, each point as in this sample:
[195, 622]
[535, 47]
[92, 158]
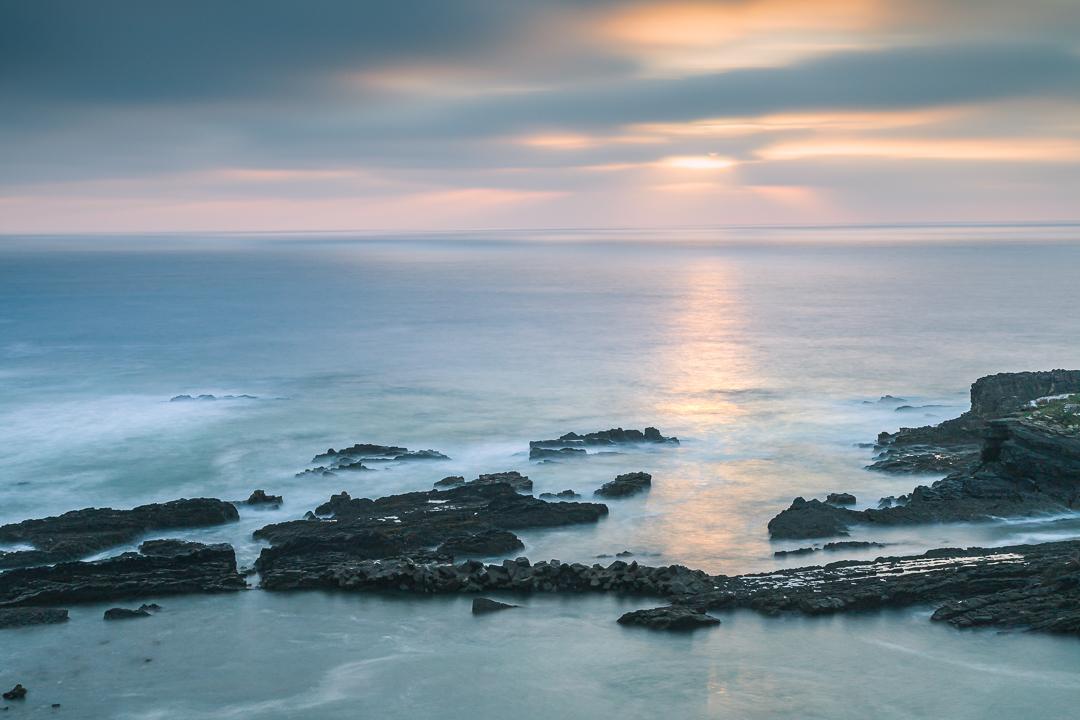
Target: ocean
[764, 350]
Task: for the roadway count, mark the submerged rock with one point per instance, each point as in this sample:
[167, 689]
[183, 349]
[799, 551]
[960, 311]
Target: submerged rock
[369, 453]
[16, 693]
[672, 617]
[625, 485]
[79, 533]
[24, 616]
[542, 453]
[482, 606]
[119, 613]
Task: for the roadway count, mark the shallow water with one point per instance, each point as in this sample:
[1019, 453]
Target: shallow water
[766, 359]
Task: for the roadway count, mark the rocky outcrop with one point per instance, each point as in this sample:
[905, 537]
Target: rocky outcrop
[605, 438]
[954, 444]
[165, 567]
[80, 533]
[485, 543]
[1024, 468]
[561, 495]
[831, 547]
[463, 517]
[13, 617]
[513, 478]
[119, 613]
[483, 606]
[542, 453]
[369, 453]
[625, 485]
[672, 617]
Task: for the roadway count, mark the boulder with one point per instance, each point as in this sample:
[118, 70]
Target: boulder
[119, 613]
[482, 606]
[16, 693]
[625, 485]
[259, 497]
[23, 616]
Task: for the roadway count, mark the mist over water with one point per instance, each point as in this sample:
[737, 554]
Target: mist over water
[765, 358]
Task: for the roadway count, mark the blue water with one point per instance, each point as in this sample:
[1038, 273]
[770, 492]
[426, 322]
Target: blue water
[764, 351]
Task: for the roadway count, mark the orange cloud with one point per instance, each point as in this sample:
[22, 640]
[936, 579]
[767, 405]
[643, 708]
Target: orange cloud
[1002, 150]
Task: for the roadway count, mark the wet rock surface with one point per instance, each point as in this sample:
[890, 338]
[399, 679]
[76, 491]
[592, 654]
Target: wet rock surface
[25, 616]
[955, 444]
[165, 567]
[84, 532]
[260, 497]
[475, 515]
[672, 617]
[625, 485]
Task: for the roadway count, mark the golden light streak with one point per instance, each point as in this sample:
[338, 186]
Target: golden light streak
[1000, 149]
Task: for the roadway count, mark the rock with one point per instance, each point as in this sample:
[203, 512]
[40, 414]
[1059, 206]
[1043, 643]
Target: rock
[303, 552]
[16, 693]
[79, 533]
[118, 613]
[368, 453]
[604, 438]
[955, 444]
[481, 606]
[840, 499]
[483, 543]
[167, 567]
[450, 481]
[811, 519]
[851, 545]
[672, 617]
[259, 497]
[1025, 467]
[562, 495]
[796, 551]
[625, 485]
[150, 607]
[541, 453]
[205, 398]
[24, 616]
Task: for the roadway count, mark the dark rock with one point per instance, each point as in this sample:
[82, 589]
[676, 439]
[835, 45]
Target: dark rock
[484, 543]
[170, 568]
[672, 617]
[24, 616]
[150, 607]
[541, 453]
[625, 485]
[16, 693]
[366, 452]
[481, 606]
[811, 519]
[83, 532]
[851, 545]
[119, 613]
[514, 479]
[796, 551]
[259, 497]
[840, 499]
[604, 438]
[562, 495]
[304, 552]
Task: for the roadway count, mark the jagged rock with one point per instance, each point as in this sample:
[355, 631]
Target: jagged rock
[119, 613]
[796, 551]
[561, 495]
[16, 693]
[259, 497]
[811, 519]
[513, 478]
[851, 545]
[542, 453]
[167, 567]
[625, 485]
[303, 552]
[24, 616]
[840, 499]
[672, 617]
[603, 438]
[79, 533]
[955, 444]
[482, 606]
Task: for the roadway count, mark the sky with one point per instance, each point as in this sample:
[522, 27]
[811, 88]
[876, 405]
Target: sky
[319, 115]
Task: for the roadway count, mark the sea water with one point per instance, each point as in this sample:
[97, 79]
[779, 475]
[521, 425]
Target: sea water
[764, 351]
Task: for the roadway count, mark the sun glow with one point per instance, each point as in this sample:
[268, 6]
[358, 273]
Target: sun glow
[698, 162]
